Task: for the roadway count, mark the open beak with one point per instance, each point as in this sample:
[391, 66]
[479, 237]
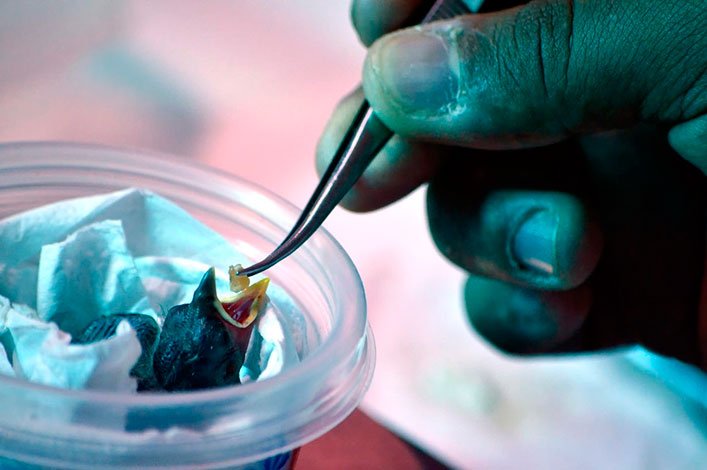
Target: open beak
[241, 309]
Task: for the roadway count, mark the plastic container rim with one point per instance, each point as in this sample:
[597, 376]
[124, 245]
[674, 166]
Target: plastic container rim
[322, 355]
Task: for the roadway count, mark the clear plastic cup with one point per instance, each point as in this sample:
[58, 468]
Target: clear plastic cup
[255, 425]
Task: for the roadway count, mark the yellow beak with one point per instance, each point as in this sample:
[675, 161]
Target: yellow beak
[242, 309]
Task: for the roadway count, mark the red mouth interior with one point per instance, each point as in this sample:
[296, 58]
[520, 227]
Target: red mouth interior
[240, 309]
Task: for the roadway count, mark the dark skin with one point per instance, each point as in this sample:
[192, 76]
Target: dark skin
[575, 238]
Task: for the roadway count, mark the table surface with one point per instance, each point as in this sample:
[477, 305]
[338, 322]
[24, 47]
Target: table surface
[360, 442]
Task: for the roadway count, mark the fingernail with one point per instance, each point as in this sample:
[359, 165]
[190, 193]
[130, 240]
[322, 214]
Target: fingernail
[534, 243]
[415, 70]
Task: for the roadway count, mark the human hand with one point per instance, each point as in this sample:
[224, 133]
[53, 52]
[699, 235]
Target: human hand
[575, 240]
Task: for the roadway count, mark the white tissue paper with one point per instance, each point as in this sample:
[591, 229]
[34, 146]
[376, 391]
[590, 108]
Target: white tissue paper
[65, 264]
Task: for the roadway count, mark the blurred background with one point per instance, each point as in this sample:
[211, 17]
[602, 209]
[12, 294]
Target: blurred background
[247, 86]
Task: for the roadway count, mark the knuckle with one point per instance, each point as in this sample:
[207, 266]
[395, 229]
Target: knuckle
[555, 42]
[531, 50]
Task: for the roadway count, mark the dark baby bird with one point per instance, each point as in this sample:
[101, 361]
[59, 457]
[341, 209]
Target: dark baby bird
[197, 348]
[146, 330]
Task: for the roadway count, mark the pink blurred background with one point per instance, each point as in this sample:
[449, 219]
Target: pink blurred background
[247, 87]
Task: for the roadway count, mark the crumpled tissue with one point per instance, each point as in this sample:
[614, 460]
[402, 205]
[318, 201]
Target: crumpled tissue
[64, 264]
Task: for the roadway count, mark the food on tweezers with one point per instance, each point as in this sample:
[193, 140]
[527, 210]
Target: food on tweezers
[238, 281]
[202, 344]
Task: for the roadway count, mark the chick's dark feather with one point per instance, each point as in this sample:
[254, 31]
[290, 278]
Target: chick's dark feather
[196, 349]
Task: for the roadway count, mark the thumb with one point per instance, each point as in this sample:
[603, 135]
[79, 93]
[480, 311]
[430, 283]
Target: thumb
[533, 74]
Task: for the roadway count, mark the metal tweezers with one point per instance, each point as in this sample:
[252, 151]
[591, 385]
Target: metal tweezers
[364, 138]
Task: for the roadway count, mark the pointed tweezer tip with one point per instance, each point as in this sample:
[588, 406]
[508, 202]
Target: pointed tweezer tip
[252, 270]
